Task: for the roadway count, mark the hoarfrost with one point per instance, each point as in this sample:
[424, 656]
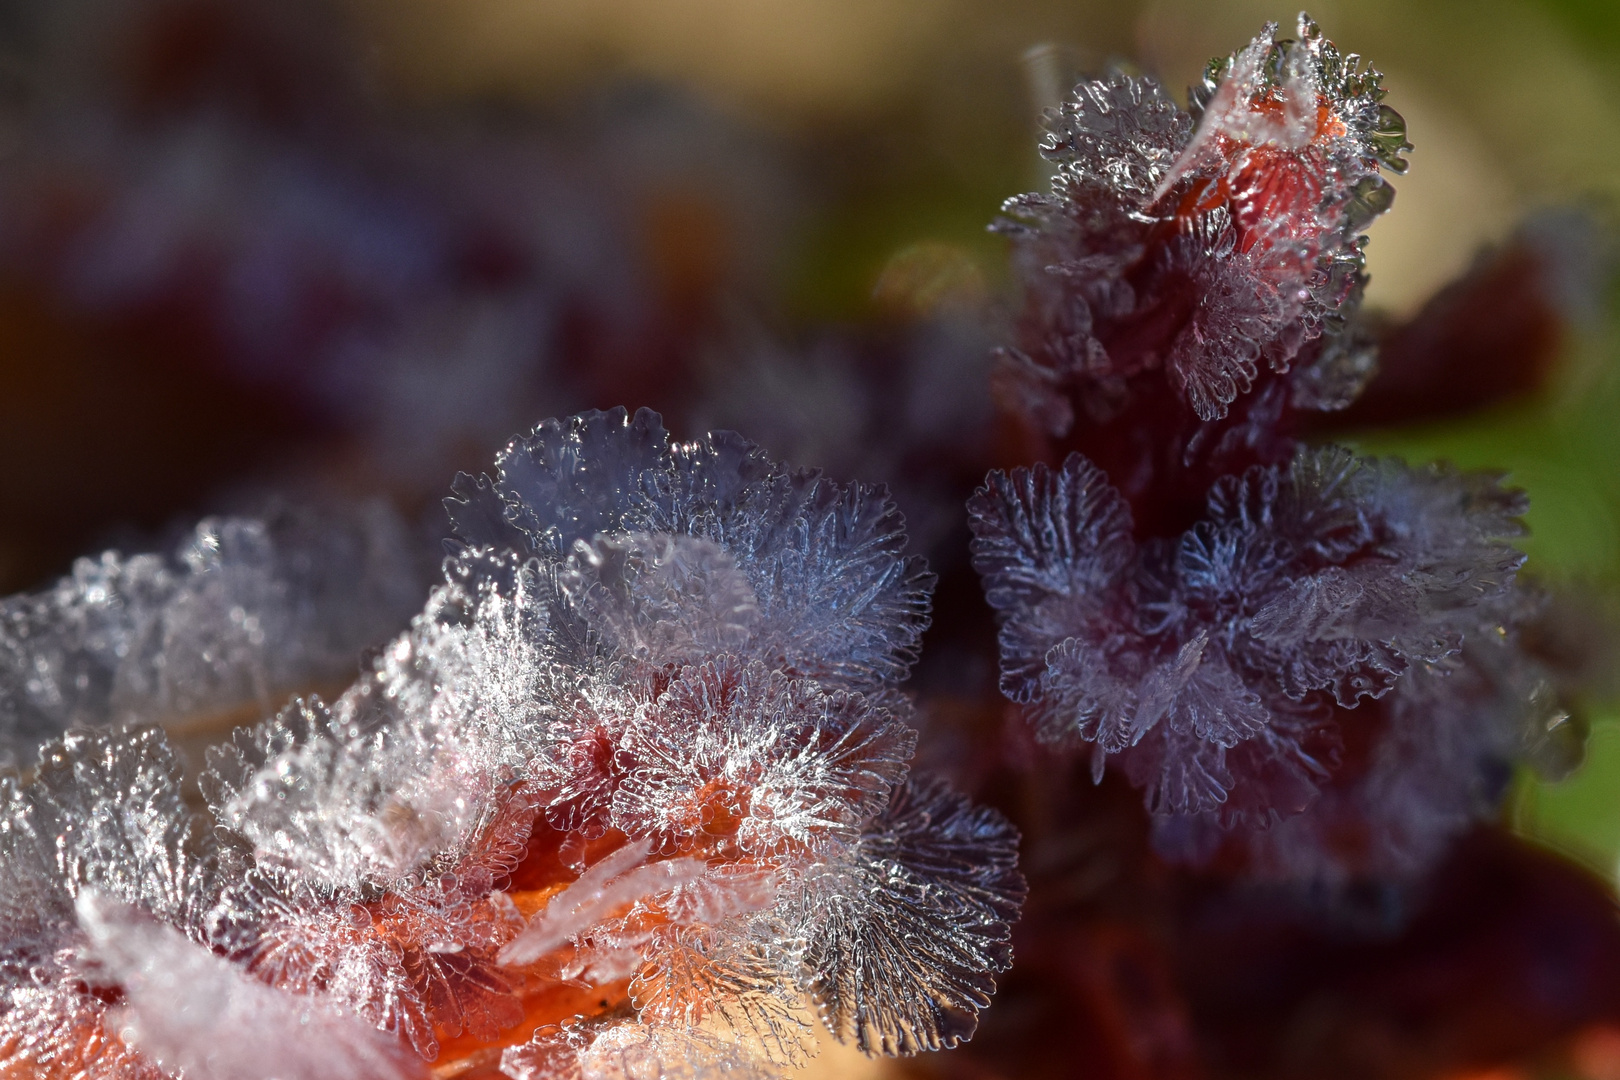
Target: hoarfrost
[904, 940]
[245, 610]
[630, 1051]
[837, 599]
[103, 815]
[1208, 253]
[738, 753]
[1212, 664]
[676, 678]
[202, 1017]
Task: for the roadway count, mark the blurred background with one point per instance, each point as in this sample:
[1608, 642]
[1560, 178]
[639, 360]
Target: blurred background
[332, 249]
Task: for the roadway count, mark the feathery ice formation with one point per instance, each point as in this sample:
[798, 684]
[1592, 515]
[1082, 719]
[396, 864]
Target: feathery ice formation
[1306, 660]
[630, 797]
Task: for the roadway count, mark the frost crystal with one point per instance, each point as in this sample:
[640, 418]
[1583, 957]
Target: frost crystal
[1197, 247]
[103, 815]
[836, 599]
[904, 935]
[1220, 667]
[202, 1017]
[245, 610]
[640, 753]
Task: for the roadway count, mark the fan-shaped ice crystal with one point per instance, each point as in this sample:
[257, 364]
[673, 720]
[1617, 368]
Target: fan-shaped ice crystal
[836, 599]
[103, 814]
[904, 939]
[740, 754]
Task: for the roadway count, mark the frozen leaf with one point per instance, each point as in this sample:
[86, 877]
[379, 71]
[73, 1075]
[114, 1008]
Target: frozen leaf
[198, 1015]
[334, 811]
[336, 949]
[905, 940]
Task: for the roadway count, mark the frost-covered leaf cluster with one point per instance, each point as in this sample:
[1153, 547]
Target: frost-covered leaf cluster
[1226, 670]
[246, 611]
[105, 969]
[1200, 247]
[639, 767]
[1300, 656]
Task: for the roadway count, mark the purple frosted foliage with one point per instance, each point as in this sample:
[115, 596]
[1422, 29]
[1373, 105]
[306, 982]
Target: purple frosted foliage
[1208, 244]
[1209, 664]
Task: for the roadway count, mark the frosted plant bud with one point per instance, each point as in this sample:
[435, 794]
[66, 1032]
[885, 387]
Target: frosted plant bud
[198, 1015]
[1200, 248]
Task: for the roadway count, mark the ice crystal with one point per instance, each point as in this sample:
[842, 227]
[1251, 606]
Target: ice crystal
[657, 690]
[629, 1051]
[904, 936]
[749, 756]
[1219, 666]
[246, 608]
[199, 1016]
[670, 669]
[103, 815]
[1199, 247]
[836, 599]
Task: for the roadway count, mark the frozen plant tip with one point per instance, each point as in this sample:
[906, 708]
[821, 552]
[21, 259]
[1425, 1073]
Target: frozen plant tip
[630, 794]
[1307, 660]
[1197, 247]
